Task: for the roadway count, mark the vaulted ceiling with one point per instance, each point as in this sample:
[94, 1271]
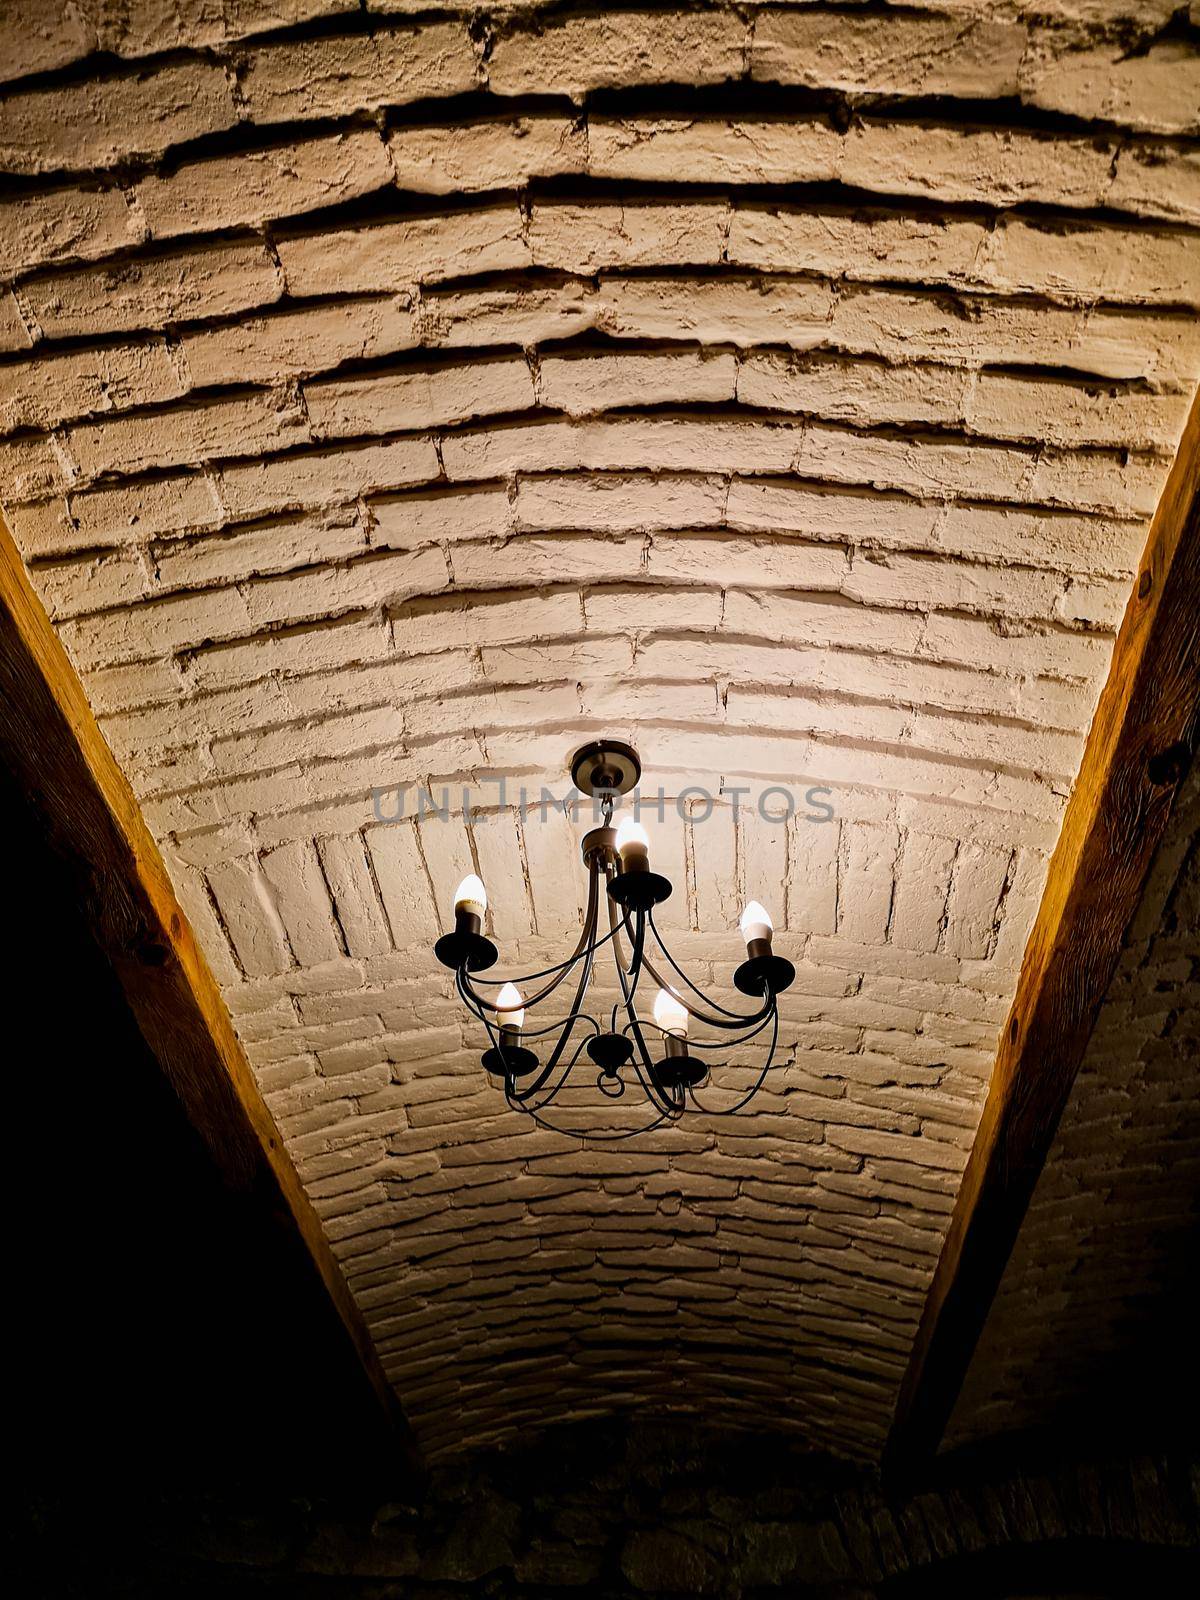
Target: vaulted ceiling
[392, 403]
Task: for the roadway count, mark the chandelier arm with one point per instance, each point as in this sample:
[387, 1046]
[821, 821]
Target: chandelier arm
[730, 1044]
[728, 1111]
[646, 1078]
[595, 1138]
[475, 1004]
[735, 1019]
[588, 944]
[574, 1013]
[615, 925]
[520, 1098]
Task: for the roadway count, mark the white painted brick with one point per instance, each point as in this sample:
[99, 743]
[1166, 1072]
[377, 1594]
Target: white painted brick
[464, 513]
[278, 546]
[336, 76]
[573, 55]
[922, 886]
[476, 156]
[47, 391]
[209, 280]
[979, 878]
[498, 853]
[257, 423]
[93, 584]
[250, 915]
[812, 888]
[299, 343]
[865, 882]
[326, 478]
[418, 398]
[885, 569]
[301, 898]
[909, 55]
[587, 383]
[575, 237]
[412, 250]
[36, 39]
[30, 467]
[1155, 89]
[403, 885]
[245, 190]
[14, 330]
[65, 223]
[140, 113]
[618, 502]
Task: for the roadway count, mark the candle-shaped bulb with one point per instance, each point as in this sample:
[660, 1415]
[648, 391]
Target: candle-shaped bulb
[671, 1014]
[471, 895]
[510, 996]
[756, 922]
[633, 842]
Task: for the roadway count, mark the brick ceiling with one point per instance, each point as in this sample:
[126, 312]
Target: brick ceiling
[400, 394]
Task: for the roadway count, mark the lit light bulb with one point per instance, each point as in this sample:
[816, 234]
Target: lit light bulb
[633, 842]
[471, 895]
[510, 995]
[756, 922]
[671, 1014]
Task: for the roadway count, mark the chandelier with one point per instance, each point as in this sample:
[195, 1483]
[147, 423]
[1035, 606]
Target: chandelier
[663, 1057]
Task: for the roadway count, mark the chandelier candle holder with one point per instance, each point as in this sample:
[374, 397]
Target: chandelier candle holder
[662, 1057]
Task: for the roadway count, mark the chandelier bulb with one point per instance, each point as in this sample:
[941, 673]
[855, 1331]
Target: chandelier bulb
[756, 923]
[471, 895]
[633, 843]
[510, 1007]
[671, 1015]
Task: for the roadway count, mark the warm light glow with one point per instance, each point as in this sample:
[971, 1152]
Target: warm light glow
[510, 995]
[756, 922]
[471, 895]
[670, 1014]
[632, 833]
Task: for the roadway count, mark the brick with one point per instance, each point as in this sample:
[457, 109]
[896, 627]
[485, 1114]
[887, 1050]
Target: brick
[254, 424]
[344, 73]
[64, 224]
[15, 333]
[584, 384]
[101, 122]
[586, 238]
[152, 291]
[244, 190]
[250, 917]
[486, 155]
[34, 39]
[418, 398]
[356, 901]
[300, 343]
[277, 547]
[573, 55]
[301, 898]
[31, 467]
[397, 255]
[912, 55]
[1153, 90]
[325, 478]
[44, 392]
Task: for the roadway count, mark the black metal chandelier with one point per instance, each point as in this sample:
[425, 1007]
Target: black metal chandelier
[664, 1059]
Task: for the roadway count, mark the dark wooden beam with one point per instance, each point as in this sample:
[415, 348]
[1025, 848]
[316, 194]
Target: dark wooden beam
[1141, 741]
[51, 742]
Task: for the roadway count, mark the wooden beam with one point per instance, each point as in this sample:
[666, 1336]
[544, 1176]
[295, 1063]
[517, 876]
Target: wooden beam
[1141, 741]
[51, 741]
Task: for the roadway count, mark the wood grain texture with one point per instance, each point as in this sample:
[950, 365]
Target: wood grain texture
[51, 741]
[1139, 748]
